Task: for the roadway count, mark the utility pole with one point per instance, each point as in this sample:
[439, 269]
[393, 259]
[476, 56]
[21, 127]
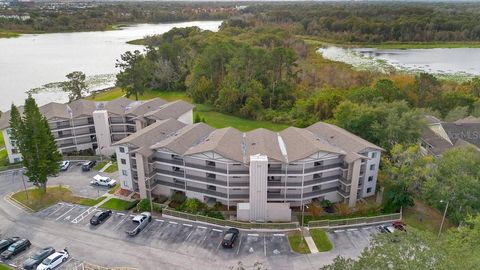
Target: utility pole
[25, 187]
[443, 219]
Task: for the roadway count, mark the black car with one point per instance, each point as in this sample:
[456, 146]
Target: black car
[87, 166]
[37, 258]
[99, 217]
[229, 238]
[5, 243]
[15, 248]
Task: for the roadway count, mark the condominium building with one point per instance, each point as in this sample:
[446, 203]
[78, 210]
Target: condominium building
[85, 124]
[259, 171]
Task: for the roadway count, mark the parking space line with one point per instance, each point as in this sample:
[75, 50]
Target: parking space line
[187, 225]
[239, 244]
[253, 234]
[159, 220]
[337, 231]
[66, 213]
[219, 244]
[173, 222]
[279, 234]
[264, 246]
[61, 206]
[351, 230]
[121, 222]
[188, 234]
[12, 265]
[121, 214]
[216, 230]
[201, 227]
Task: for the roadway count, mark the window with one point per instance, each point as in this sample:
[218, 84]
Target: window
[372, 167]
[123, 161]
[374, 155]
[318, 163]
[122, 150]
[211, 175]
[125, 183]
[210, 163]
[370, 178]
[124, 172]
[369, 190]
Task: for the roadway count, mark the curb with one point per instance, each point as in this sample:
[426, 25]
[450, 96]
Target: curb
[19, 204]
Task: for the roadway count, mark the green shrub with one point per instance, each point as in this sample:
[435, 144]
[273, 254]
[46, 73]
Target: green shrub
[326, 204]
[214, 214]
[192, 206]
[144, 206]
[178, 197]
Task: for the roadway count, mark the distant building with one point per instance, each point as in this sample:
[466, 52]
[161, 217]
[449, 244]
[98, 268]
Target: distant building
[441, 136]
[85, 124]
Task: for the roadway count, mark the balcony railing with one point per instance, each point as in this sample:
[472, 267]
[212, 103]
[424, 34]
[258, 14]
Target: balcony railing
[307, 170]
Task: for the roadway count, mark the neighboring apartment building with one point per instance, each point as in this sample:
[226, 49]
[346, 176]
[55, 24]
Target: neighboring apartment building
[441, 136]
[85, 124]
[268, 169]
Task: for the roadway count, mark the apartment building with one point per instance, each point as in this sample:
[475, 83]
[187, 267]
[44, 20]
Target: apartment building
[85, 124]
[262, 168]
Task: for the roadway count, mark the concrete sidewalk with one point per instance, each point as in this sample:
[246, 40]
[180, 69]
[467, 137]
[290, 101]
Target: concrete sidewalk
[308, 238]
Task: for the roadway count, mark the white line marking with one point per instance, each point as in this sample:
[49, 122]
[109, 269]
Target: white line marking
[278, 234]
[61, 206]
[201, 227]
[239, 244]
[188, 234]
[219, 244]
[264, 246]
[121, 214]
[351, 230]
[12, 265]
[253, 234]
[159, 220]
[173, 222]
[187, 225]
[66, 213]
[132, 215]
[118, 225]
[216, 230]
[337, 231]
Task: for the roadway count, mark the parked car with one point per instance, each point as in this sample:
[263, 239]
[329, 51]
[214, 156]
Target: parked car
[64, 165]
[386, 229]
[5, 243]
[139, 222]
[15, 248]
[88, 165]
[37, 258]
[54, 260]
[105, 181]
[99, 217]
[229, 238]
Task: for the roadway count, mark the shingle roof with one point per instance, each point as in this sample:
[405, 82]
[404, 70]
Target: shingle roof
[265, 142]
[145, 107]
[226, 142]
[180, 141]
[82, 107]
[55, 110]
[469, 132]
[152, 134]
[430, 119]
[170, 110]
[301, 143]
[5, 118]
[118, 106]
[468, 120]
[437, 144]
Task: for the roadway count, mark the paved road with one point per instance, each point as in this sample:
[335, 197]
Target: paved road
[164, 244]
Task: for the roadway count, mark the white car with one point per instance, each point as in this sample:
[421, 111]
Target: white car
[105, 181]
[64, 165]
[54, 260]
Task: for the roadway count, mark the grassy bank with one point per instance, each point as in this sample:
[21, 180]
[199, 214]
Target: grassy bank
[425, 218]
[118, 204]
[2, 141]
[38, 200]
[295, 240]
[4, 267]
[321, 240]
[212, 117]
[5, 34]
[139, 41]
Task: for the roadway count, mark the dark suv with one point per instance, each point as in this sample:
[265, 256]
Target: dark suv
[15, 248]
[5, 243]
[87, 166]
[229, 238]
[99, 217]
[37, 258]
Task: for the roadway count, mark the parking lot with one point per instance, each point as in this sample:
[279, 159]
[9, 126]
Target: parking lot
[79, 181]
[17, 261]
[353, 238]
[180, 236]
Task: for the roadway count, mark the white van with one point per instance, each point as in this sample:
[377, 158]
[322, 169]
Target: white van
[105, 181]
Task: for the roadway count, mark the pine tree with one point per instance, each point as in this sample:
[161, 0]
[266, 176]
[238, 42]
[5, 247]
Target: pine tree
[35, 141]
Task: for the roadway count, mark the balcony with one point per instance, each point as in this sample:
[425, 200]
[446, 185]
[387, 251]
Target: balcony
[344, 193]
[168, 161]
[65, 136]
[323, 167]
[64, 145]
[306, 195]
[308, 170]
[203, 180]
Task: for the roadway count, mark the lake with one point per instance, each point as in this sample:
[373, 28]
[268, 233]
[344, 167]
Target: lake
[455, 62]
[31, 61]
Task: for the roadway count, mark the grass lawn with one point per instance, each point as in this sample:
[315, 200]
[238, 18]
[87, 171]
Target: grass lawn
[90, 202]
[4, 267]
[118, 204]
[424, 217]
[4, 34]
[112, 168]
[2, 141]
[212, 117]
[39, 200]
[321, 239]
[100, 165]
[3, 158]
[295, 239]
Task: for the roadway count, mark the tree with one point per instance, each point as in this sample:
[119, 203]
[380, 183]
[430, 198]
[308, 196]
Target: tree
[134, 73]
[75, 86]
[389, 91]
[35, 141]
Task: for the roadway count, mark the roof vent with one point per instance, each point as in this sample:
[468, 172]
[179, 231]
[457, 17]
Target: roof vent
[253, 143]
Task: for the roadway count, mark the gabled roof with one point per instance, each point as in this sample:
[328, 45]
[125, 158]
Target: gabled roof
[118, 105]
[180, 141]
[431, 120]
[226, 142]
[301, 143]
[265, 142]
[5, 118]
[145, 107]
[55, 110]
[82, 107]
[170, 110]
[469, 132]
[468, 120]
[341, 138]
[437, 144]
[152, 134]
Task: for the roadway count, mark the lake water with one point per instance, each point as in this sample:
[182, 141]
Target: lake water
[456, 62]
[31, 61]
